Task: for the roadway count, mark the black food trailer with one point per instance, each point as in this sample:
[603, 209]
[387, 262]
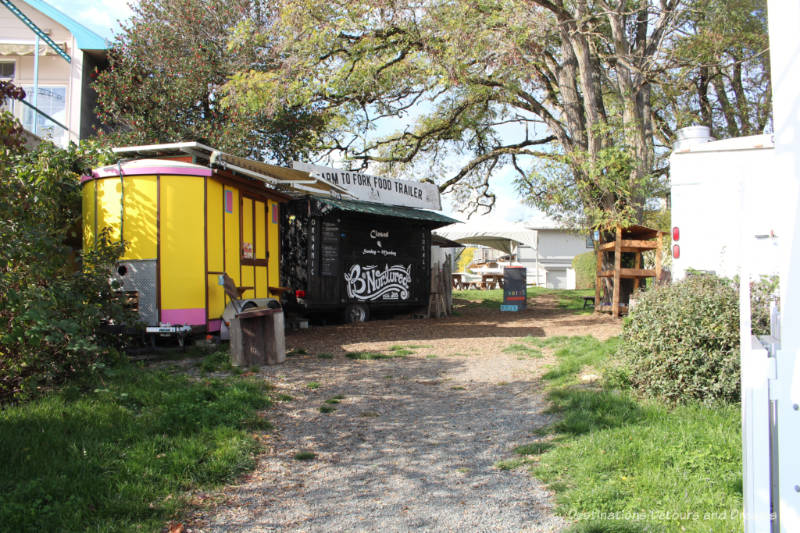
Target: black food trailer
[354, 257]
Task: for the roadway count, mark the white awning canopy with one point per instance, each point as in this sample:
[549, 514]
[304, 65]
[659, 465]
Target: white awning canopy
[503, 236]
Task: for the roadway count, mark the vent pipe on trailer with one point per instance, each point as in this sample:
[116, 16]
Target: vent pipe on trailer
[692, 136]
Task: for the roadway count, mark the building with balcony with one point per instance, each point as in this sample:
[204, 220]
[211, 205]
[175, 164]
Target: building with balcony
[54, 59]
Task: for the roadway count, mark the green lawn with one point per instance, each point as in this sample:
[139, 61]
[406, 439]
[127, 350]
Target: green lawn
[621, 464]
[121, 457]
[492, 299]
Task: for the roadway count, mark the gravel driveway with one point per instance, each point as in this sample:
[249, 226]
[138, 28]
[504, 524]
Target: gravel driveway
[413, 441]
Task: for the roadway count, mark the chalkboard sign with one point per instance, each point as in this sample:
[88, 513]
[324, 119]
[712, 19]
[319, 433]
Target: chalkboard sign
[329, 248]
[515, 292]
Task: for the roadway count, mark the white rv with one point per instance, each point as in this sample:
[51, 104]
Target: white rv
[723, 193]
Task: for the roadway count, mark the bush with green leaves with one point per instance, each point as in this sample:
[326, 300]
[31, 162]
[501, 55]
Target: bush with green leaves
[585, 266]
[56, 306]
[681, 341]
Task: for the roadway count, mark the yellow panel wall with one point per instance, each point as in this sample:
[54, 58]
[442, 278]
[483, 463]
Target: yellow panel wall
[215, 210]
[139, 228]
[216, 297]
[216, 251]
[273, 220]
[261, 282]
[182, 250]
[247, 221]
[87, 197]
[232, 234]
[109, 191]
[260, 228]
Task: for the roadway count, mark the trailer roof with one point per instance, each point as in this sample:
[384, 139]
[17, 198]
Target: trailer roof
[371, 208]
[273, 175]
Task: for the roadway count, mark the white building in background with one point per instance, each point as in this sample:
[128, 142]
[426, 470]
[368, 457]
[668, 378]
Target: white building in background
[62, 80]
[544, 248]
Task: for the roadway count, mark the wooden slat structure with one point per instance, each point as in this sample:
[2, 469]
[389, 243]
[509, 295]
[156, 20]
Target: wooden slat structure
[632, 239]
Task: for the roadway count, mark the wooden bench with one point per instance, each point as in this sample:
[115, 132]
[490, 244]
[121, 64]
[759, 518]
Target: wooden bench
[586, 300]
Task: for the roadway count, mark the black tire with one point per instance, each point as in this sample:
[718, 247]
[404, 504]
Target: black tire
[356, 313]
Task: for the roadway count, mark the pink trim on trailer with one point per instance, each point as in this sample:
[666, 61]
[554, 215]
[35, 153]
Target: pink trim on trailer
[179, 317]
[113, 171]
[214, 325]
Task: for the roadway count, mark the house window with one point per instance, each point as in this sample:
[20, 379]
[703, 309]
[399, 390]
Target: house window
[7, 69]
[52, 101]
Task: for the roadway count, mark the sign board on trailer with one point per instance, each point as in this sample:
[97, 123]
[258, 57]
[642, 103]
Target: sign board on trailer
[368, 188]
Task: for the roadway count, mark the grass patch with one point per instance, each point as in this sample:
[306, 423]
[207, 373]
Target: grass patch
[121, 457]
[305, 456]
[431, 356]
[374, 355]
[458, 387]
[326, 409]
[524, 350]
[325, 356]
[296, 351]
[284, 397]
[511, 464]
[313, 385]
[574, 301]
[335, 399]
[534, 448]
[218, 361]
[571, 300]
[615, 453]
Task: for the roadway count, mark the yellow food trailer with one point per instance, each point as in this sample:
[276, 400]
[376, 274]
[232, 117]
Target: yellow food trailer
[184, 226]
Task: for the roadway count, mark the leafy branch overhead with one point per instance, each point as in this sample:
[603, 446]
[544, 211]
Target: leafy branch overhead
[167, 67]
[579, 99]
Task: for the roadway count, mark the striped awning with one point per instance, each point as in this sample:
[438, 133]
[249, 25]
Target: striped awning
[27, 49]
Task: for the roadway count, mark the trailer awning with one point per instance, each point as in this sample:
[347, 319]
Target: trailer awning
[274, 176]
[355, 206]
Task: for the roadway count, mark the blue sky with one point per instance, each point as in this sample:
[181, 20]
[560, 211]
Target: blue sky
[103, 17]
[100, 16]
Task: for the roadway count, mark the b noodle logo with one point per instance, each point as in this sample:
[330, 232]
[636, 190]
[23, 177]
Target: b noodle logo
[371, 283]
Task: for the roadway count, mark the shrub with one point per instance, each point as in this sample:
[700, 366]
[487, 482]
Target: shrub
[585, 266]
[57, 313]
[681, 341]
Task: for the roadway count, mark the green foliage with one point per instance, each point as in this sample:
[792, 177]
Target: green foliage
[218, 361]
[681, 341]
[167, 67]
[585, 266]
[58, 314]
[11, 132]
[120, 458]
[305, 456]
[619, 463]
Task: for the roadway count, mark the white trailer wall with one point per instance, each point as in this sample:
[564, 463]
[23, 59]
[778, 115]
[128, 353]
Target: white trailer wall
[710, 182]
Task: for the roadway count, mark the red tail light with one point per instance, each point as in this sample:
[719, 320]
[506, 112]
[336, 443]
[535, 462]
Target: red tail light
[676, 233]
[676, 251]
[300, 294]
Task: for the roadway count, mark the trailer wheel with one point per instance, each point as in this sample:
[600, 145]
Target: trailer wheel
[356, 313]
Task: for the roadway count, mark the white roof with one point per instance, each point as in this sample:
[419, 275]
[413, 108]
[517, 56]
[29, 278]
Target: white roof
[497, 235]
[751, 142]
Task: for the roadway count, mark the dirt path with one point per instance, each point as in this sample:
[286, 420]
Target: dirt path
[413, 442]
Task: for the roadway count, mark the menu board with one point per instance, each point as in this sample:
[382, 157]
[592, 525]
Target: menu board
[514, 288]
[329, 248]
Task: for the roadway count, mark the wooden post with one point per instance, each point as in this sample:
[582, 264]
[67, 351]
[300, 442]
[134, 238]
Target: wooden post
[659, 251]
[597, 279]
[617, 267]
[637, 264]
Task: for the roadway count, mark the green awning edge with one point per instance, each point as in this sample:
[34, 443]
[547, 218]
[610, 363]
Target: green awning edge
[434, 219]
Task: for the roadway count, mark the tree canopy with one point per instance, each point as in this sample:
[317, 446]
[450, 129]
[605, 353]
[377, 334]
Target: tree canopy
[581, 98]
[167, 67]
